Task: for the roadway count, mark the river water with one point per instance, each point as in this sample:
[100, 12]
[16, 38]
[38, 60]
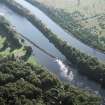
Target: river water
[55, 28]
[62, 70]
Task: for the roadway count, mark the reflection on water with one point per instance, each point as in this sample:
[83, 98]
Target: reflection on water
[2, 14]
[64, 70]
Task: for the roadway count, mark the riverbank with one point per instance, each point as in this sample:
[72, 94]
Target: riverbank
[21, 80]
[71, 25]
[87, 65]
[13, 45]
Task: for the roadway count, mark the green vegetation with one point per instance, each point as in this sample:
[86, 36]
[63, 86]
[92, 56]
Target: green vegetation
[89, 29]
[11, 44]
[86, 65]
[2, 40]
[24, 84]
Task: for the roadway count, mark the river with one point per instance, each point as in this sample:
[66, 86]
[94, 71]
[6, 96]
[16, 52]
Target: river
[62, 70]
[61, 33]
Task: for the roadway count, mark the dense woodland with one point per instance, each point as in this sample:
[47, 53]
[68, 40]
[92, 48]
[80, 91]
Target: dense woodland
[24, 84]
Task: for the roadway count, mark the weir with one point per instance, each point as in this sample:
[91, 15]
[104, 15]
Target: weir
[33, 43]
[63, 67]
